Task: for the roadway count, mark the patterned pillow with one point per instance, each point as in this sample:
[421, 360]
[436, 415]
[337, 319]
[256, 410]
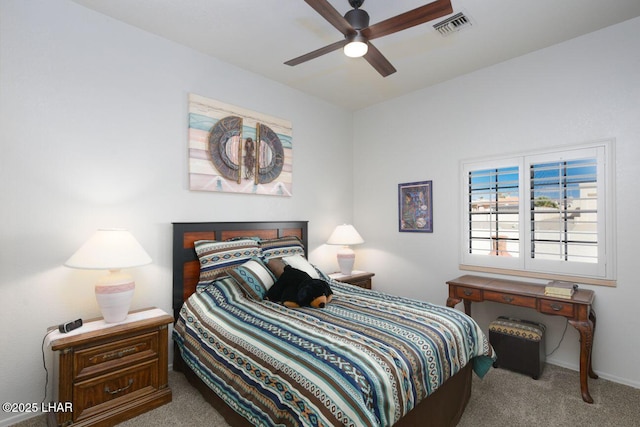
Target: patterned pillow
[281, 247]
[216, 258]
[254, 277]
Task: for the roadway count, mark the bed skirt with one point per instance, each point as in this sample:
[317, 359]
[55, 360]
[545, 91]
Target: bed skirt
[441, 409]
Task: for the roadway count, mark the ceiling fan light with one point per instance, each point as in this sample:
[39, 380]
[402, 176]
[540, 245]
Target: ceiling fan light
[356, 48]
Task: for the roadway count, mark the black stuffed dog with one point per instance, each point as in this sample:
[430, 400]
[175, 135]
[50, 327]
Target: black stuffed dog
[295, 288]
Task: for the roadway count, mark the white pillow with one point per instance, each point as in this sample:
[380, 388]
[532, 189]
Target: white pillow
[299, 262]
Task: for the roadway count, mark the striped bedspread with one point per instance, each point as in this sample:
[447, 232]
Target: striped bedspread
[365, 360]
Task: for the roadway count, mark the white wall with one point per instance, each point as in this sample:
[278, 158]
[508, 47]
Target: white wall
[582, 90]
[93, 120]
[93, 133]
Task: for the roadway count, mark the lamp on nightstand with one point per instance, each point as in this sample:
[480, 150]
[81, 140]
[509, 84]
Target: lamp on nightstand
[345, 235]
[113, 250]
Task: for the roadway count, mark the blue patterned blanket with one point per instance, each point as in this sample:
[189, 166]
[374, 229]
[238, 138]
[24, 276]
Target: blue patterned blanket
[365, 360]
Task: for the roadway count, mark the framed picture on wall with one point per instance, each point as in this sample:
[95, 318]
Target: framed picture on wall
[415, 207]
[236, 150]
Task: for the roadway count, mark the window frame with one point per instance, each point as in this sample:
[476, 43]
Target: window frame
[603, 272]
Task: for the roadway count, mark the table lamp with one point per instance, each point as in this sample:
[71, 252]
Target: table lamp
[113, 250]
[345, 235]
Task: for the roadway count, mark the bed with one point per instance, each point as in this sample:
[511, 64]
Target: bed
[367, 359]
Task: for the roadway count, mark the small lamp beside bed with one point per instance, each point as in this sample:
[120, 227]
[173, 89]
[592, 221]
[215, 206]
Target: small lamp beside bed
[113, 250]
[345, 235]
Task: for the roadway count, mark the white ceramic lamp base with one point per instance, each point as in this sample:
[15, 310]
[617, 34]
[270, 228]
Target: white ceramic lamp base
[114, 293]
[346, 259]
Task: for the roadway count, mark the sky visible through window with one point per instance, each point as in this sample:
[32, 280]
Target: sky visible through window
[556, 181]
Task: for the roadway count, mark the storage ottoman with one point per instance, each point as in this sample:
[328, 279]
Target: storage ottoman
[519, 345]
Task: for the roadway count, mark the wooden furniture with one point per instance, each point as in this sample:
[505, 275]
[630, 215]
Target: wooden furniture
[186, 266]
[577, 309]
[356, 278]
[111, 372]
[444, 407]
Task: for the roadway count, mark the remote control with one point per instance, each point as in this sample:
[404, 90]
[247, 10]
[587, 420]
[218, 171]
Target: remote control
[70, 326]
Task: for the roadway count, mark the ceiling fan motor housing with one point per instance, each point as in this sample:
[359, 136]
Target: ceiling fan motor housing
[358, 18]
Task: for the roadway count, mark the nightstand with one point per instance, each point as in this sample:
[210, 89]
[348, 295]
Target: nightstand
[357, 278]
[105, 373]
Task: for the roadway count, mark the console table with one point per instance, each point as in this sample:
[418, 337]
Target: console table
[577, 309]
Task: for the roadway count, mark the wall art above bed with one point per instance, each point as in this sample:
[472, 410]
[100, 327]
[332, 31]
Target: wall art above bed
[235, 150]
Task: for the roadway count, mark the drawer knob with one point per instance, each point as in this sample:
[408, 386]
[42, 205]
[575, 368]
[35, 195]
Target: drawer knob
[556, 307]
[467, 292]
[507, 298]
[107, 390]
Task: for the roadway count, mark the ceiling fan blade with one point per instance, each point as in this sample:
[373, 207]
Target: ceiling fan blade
[316, 53]
[378, 61]
[409, 19]
[329, 13]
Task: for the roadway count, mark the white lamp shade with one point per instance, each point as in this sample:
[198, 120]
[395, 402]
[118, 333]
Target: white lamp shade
[345, 234]
[109, 249]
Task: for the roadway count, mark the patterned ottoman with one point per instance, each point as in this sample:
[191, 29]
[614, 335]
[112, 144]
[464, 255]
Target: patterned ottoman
[519, 345]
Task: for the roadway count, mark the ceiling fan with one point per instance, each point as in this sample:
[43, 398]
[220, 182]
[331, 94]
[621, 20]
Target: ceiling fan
[358, 34]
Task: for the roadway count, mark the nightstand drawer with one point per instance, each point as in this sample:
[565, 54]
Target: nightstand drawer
[363, 283]
[107, 391]
[110, 356]
[361, 279]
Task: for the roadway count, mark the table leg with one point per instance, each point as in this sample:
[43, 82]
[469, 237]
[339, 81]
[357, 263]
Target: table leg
[592, 317]
[451, 301]
[467, 307]
[586, 343]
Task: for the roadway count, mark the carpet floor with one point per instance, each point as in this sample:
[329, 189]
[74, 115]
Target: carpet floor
[501, 399]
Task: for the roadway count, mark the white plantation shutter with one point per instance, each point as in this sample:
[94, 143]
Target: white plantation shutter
[541, 213]
[565, 210]
[493, 207]
[493, 212]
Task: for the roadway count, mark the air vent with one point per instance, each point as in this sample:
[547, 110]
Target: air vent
[453, 24]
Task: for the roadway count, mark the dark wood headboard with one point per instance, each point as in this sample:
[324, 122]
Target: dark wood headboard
[186, 267]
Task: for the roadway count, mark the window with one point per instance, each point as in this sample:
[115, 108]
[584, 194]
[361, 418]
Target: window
[544, 214]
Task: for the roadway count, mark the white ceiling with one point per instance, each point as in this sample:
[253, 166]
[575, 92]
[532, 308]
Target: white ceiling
[260, 35]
